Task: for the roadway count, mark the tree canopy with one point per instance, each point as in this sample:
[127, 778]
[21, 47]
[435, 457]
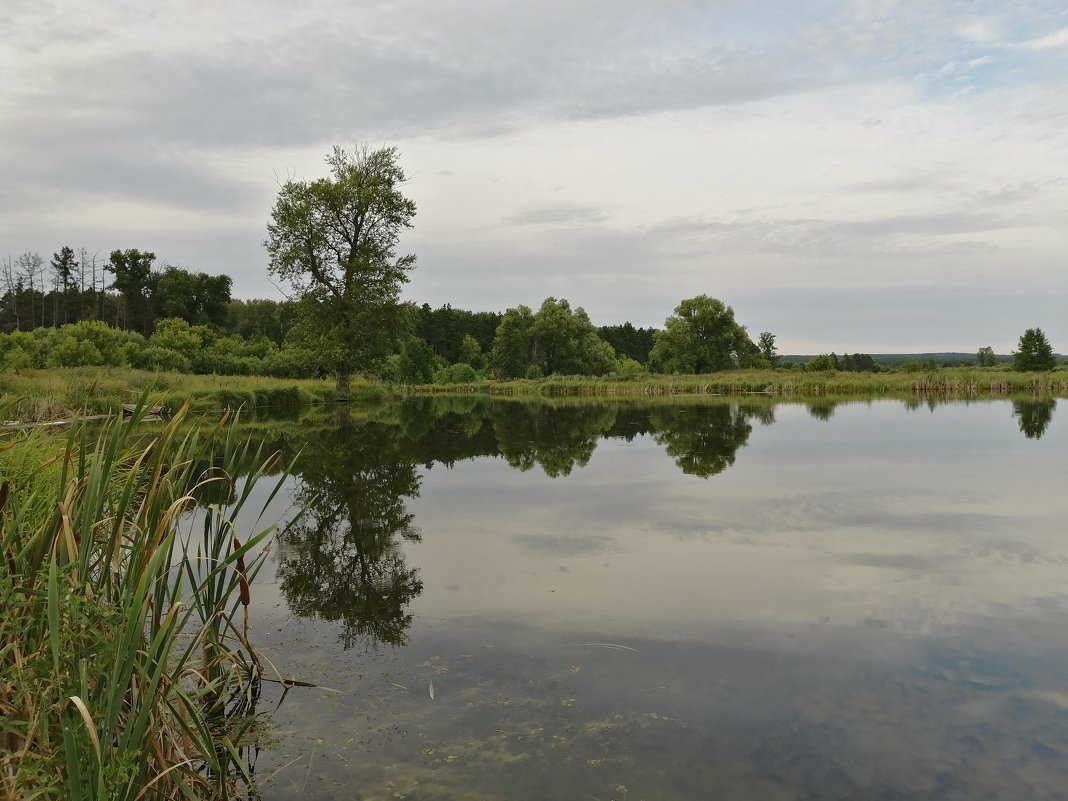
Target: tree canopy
[335, 241]
[702, 337]
[554, 340]
[1034, 352]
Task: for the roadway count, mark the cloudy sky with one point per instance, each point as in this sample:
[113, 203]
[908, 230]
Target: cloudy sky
[853, 175]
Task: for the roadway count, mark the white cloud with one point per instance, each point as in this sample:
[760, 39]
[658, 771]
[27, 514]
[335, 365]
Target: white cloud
[1054, 40]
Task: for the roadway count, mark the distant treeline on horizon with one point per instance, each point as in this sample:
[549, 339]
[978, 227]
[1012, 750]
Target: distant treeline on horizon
[130, 294]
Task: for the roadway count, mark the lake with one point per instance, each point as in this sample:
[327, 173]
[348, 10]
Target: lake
[685, 600]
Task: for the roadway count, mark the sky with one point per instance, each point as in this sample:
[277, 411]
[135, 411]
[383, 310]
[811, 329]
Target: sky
[852, 175]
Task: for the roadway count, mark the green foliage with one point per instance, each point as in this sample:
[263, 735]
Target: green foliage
[121, 645]
[459, 373]
[701, 337]
[511, 354]
[67, 351]
[18, 350]
[534, 373]
[153, 357]
[1034, 353]
[766, 344]
[270, 319]
[174, 333]
[444, 330]
[471, 353]
[628, 341]
[627, 366]
[822, 362]
[858, 363]
[133, 275]
[556, 340]
[415, 364]
[291, 361]
[197, 298]
[985, 357]
[335, 240]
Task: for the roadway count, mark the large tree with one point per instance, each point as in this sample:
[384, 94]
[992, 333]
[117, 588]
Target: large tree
[197, 298]
[1035, 353]
[702, 337]
[555, 340]
[334, 240]
[132, 269]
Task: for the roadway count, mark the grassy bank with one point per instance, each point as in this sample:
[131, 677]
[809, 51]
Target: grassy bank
[954, 382]
[125, 671]
[71, 392]
[74, 391]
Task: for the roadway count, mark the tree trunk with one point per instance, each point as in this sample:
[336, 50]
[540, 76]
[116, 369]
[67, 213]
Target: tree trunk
[342, 387]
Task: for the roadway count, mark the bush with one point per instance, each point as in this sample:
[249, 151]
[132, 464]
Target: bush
[534, 372]
[70, 352]
[111, 343]
[824, 361]
[153, 357]
[291, 361]
[460, 373]
[18, 350]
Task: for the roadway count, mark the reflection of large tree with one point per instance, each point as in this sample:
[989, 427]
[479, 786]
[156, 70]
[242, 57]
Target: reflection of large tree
[702, 439]
[344, 561]
[1033, 416]
[555, 437]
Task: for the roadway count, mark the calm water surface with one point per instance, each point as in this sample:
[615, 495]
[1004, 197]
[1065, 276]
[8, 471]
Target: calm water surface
[680, 601]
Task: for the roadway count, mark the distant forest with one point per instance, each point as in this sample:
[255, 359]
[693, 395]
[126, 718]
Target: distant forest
[80, 309]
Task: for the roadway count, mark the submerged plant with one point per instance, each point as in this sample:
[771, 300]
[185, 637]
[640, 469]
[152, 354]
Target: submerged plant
[124, 652]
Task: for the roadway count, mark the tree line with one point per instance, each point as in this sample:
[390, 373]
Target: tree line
[334, 241]
[125, 291]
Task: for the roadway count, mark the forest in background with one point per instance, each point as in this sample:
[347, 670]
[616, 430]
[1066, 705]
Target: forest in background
[78, 309]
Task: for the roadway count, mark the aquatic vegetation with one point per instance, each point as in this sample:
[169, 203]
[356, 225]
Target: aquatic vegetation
[125, 668]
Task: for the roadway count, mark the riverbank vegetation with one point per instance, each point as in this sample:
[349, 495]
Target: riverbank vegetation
[334, 241]
[952, 382]
[59, 394]
[63, 394]
[125, 669]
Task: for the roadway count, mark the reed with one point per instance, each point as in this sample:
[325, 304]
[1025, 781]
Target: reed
[123, 639]
[77, 391]
[950, 382]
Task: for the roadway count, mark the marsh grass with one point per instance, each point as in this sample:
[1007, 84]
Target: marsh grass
[125, 667]
[956, 382]
[78, 391]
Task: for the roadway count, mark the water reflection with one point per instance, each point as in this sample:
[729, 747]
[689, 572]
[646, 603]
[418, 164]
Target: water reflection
[703, 442]
[1033, 416]
[343, 561]
[875, 608]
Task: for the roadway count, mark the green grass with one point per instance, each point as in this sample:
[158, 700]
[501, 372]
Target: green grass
[70, 392]
[952, 382]
[125, 668]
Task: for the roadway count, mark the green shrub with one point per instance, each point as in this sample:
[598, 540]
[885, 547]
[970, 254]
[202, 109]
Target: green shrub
[67, 351]
[153, 357]
[460, 373]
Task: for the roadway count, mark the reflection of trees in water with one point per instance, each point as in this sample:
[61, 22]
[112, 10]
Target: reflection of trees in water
[1033, 416]
[822, 409]
[702, 439]
[555, 437]
[344, 561]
